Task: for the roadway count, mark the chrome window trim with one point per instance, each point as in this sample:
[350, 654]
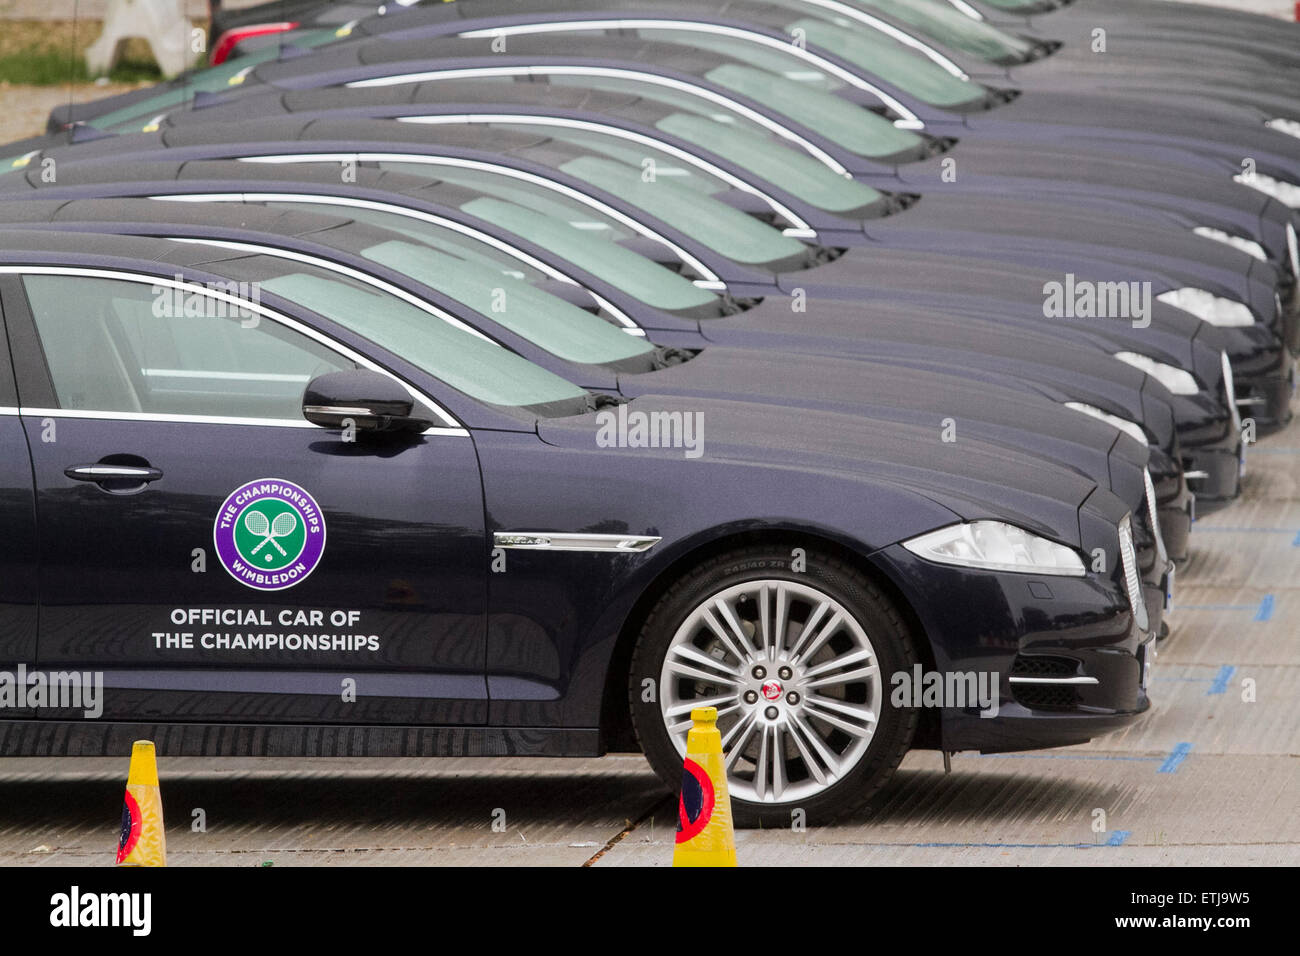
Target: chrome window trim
[963, 7]
[165, 418]
[908, 120]
[771, 125]
[800, 228]
[573, 541]
[370, 156]
[330, 266]
[629, 325]
[891, 31]
[450, 426]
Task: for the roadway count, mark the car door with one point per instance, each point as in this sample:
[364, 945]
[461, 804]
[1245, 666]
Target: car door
[213, 554]
[19, 562]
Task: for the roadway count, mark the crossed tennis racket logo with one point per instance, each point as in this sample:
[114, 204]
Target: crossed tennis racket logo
[284, 525]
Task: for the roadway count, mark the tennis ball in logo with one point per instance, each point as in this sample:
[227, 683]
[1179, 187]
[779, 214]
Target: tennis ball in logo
[270, 534]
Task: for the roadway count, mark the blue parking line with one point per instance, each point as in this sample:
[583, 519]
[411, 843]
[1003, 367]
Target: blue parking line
[1263, 610]
[1220, 684]
[1016, 846]
[1061, 757]
[1239, 529]
[1175, 759]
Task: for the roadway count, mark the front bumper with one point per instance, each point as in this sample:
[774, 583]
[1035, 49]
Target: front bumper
[1038, 628]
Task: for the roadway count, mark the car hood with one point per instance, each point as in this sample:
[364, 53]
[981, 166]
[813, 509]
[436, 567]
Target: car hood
[971, 478]
[881, 390]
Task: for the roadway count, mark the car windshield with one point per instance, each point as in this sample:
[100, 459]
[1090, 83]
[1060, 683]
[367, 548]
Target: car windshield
[869, 134]
[764, 156]
[559, 327]
[546, 201]
[426, 233]
[213, 79]
[725, 229]
[875, 53]
[946, 25]
[641, 278]
[468, 363]
[635, 275]
[653, 160]
[796, 172]
[853, 127]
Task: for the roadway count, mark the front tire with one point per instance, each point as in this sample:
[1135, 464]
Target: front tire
[797, 662]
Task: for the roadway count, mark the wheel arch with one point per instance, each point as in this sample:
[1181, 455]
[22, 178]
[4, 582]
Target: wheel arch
[615, 715]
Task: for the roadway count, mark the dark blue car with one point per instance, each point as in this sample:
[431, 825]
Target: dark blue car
[280, 513]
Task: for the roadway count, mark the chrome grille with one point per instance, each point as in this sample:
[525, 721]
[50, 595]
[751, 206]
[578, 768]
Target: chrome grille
[1154, 515]
[1230, 392]
[1132, 580]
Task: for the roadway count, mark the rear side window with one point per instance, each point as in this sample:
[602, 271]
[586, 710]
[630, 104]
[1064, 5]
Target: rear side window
[117, 346]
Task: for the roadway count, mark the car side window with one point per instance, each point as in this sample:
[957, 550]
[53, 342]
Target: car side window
[113, 345]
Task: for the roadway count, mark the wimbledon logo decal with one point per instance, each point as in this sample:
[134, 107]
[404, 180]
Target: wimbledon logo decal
[270, 534]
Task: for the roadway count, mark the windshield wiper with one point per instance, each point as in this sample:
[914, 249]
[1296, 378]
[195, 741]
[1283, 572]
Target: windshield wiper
[818, 255]
[598, 400]
[897, 202]
[666, 356]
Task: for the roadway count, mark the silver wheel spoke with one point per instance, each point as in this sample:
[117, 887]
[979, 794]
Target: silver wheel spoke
[824, 634]
[780, 619]
[838, 663]
[825, 714]
[848, 677]
[829, 761]
[740, 733]
[730, 634]
[809, 760]
[727, 702]
[694, 655]
[809, 626]
[679, 725]
[778, 762]
[856, 711]
[693, 673]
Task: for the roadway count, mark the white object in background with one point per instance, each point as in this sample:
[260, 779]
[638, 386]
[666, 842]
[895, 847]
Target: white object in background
[161, 23]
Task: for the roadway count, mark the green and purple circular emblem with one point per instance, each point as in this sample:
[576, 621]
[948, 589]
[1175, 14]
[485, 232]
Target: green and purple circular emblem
[269, 534]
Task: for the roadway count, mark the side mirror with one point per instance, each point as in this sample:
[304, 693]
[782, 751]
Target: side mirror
[371, 401]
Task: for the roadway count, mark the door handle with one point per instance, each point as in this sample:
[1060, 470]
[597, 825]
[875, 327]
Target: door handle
[101, 473]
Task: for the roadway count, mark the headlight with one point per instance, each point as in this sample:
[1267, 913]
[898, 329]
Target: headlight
[1290, 127]
[1123, 424]
[1212, 308]
[1293, 249]
[1288, 193]
[995, 546]
[1248, 246]
[1177, 380]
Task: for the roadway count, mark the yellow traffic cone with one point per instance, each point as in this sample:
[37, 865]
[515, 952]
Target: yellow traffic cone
[704, 832]
[142, 841]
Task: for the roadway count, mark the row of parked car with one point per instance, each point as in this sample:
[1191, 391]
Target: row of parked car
[855, 367]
